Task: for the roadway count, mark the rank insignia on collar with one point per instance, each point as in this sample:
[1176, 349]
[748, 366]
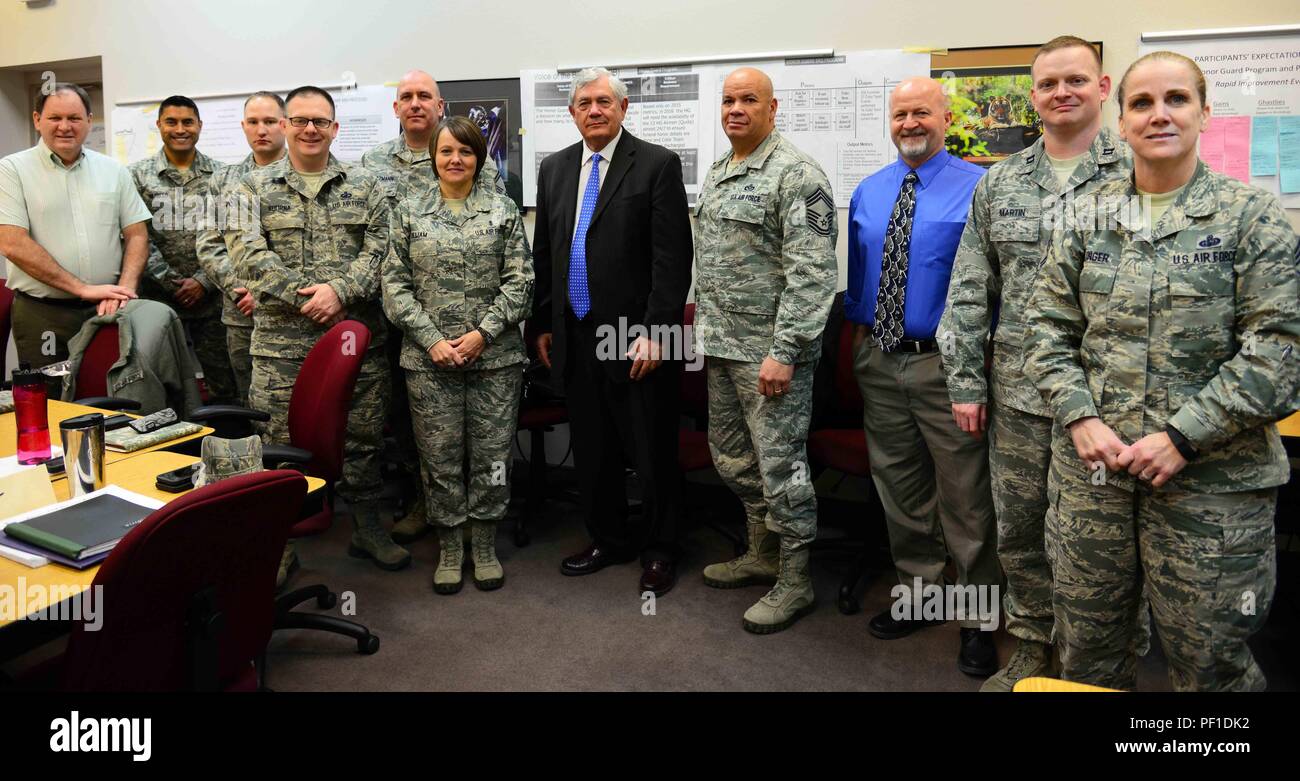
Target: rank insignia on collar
[1109, 150]
[821, 212]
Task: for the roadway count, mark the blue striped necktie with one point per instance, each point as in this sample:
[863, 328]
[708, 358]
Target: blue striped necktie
[579, 295]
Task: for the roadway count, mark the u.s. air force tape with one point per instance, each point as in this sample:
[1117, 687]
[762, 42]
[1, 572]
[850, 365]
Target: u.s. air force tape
[820, 209]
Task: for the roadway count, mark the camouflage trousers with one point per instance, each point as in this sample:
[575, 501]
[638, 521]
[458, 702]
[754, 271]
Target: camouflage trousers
[238, 339]
[208, 335]
[758, 446]
[1208, 562]
[465, 420]
[271, 388]
[1020, 450]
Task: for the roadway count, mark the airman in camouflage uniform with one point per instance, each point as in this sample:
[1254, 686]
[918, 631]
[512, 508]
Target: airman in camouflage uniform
[215, 261]
[1188, 330]
[447, 274]
[1012, 216]
[339, 237]
[262, 111]
[406, 172]
[180, 210]
[765, 281]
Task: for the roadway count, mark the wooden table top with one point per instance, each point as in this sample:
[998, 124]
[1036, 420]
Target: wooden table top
[60, 411]
[1290, 427]
[134, 474]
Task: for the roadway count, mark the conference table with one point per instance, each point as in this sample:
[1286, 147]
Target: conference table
[60, 411]
[136, 472]
[1290, 427]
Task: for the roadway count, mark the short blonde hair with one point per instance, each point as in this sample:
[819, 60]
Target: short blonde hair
[1065, 42]
[1166, 56]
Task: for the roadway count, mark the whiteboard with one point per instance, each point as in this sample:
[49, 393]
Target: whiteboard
[1253, 86]
[833, 108]
[365, 116]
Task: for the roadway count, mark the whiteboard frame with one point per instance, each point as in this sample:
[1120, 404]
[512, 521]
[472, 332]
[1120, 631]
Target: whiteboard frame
[1222, 32]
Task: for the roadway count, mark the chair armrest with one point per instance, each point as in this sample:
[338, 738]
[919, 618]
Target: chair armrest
[274, 455]
[109, 402]
[230, 421]
[218, 411]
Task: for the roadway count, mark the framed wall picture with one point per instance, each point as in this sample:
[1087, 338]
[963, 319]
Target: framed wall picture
[988, 92]
[493, 105]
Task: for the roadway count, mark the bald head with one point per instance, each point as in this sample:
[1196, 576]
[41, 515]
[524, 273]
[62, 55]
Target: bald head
[920, 89]
[748, 109]
[918, 119]
[750, 78]
[418, 107]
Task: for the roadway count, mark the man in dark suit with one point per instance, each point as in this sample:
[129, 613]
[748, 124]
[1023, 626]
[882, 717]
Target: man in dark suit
[612, 249]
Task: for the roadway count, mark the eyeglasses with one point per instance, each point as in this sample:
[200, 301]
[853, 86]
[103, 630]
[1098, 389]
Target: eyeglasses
[321, 124]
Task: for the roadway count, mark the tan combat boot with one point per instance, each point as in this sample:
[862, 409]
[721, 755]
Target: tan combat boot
[370, 541]
[1029, 660]
[413, 525]
[451, 557]
[758, 565]
[791, 597]
[488, 573]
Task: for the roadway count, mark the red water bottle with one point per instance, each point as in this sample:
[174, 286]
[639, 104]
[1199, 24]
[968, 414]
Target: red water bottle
[33, 417]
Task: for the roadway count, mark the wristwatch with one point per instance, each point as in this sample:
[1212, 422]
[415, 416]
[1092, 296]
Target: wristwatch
[1181, 443]
[487, 337]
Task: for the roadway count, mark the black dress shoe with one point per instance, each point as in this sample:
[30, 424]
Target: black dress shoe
[886, 627]
[978, 655]
[593, 559]
[658, 577]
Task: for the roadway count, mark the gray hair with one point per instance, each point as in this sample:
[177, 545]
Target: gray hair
[587, 75]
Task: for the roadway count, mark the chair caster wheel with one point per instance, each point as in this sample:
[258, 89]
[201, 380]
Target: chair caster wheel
[327, 601]
[368, 645]
[847, 605]
[522, 539]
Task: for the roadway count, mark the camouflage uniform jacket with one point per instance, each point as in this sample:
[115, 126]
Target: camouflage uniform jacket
[765, 270]
[1195, 323]
[447, 274]
[338, 238]
[405, 173]
[179, 201]
[1015, 210]
[211, 247]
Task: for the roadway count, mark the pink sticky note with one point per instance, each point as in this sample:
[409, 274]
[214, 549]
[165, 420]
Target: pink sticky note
[1236, 147]
[1212, 145]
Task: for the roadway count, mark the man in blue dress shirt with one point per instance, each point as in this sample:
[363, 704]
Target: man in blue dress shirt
[905, 222]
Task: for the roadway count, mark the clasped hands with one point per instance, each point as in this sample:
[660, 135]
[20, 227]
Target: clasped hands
[1152, 458]
[324, 306]
[454, 353]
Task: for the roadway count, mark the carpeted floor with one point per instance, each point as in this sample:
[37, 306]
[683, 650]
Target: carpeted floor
[546, 632]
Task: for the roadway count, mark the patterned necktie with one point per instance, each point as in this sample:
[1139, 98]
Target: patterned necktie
[579, 295]
[888, 329]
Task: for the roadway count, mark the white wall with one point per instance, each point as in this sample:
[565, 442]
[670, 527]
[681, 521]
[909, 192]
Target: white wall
[153, 48]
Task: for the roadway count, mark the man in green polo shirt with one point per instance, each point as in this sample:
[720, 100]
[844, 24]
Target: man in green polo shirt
[72, 227]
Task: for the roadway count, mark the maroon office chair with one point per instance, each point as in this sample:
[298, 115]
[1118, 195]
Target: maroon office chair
[92, 375]
[318, 421]
[693, 454]
[844, 449]
[538, 414]
[6, 323]
[187, 594]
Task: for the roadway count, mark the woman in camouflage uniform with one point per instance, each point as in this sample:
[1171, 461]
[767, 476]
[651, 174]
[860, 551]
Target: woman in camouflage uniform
[1165, 345]
[458, 280]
